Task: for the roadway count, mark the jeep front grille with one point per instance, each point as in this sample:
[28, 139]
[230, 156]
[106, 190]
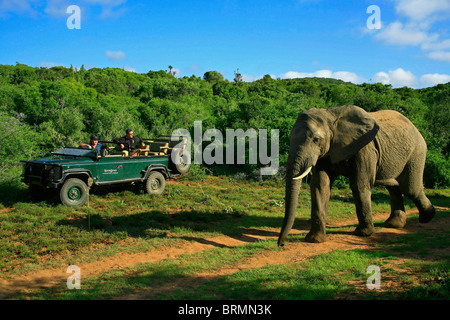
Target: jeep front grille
[34, 169]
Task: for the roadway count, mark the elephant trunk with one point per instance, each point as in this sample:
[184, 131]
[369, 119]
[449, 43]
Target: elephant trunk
[299, 164]
[292, 191]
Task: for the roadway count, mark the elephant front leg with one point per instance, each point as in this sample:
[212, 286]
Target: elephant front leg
[320, 196]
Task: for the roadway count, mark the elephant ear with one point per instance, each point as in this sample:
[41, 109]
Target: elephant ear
[354, 128]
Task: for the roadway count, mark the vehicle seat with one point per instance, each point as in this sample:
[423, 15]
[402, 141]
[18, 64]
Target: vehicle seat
[116, 153]
[158, 148]
[147, 148]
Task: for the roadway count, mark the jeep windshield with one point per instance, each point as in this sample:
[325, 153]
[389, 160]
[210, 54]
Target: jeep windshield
[75, 152]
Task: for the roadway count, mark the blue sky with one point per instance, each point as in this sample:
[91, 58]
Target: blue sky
[282, 38]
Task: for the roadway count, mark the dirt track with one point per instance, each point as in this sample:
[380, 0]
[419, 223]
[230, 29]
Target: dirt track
[292, 252]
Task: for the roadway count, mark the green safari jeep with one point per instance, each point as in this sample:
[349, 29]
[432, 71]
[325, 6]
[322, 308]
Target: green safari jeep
[73, 171]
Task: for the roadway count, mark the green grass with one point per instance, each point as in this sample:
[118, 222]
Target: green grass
[128, 280]
[339, 274]
[322, 277]
[33, 231]
[42, 234]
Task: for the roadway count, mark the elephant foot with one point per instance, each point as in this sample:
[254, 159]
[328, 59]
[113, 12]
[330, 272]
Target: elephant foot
[364, 231]
[396, 220]
[425, 216]
[315, 237]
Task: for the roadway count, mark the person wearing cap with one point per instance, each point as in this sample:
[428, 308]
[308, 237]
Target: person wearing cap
[94, 145]
[130, 143]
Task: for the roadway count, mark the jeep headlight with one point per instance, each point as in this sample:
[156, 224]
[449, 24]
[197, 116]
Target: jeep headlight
[54, 173]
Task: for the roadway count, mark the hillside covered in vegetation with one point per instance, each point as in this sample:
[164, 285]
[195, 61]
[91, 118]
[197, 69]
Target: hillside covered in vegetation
[44, 108]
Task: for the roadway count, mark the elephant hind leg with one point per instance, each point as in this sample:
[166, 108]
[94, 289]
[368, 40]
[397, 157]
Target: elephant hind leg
[397, 219]
[411, 184]
[426, 209]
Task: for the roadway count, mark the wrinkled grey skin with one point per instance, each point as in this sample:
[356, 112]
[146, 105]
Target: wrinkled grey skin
[380, 147]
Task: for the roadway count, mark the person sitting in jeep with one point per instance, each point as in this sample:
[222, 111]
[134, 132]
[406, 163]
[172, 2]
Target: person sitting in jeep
[130, 144]
[94, 145]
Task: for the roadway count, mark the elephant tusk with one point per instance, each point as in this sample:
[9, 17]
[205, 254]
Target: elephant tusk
[304, 174]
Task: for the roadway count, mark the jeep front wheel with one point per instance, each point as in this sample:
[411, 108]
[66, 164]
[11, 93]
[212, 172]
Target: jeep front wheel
[156, 183]
[74, 193]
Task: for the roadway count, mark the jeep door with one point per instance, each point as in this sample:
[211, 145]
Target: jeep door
[134, 167]
[109, 169]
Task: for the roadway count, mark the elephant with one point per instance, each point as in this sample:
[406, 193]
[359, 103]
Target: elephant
[369, 148]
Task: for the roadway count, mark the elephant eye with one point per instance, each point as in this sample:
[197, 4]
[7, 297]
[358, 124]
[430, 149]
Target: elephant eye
[316, 140]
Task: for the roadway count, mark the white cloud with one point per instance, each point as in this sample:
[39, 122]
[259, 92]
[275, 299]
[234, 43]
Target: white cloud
[421, 10]
[17, 6]
[348, 77]
[397, 78]
[251, 78]
[434, 79]
[111, 12]
[440, 56]
[176, 72]
[14, 5]
[381, 77]
[398, 34]
[417, 30]
[438, 45]
[195, 67]
[57, 8]
[129, 68]
[295, 74]
[340, 75]
[110, 3]
[115, 55]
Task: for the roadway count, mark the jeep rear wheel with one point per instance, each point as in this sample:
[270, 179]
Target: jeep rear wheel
[74, 193]
[156, 183]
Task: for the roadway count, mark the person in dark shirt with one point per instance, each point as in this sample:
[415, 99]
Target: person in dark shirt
[130, 143]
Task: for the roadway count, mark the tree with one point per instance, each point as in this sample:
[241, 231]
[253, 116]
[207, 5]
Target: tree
[50, 107]
[212, 76]
[237, 76]
[172, 73]
[23, 136]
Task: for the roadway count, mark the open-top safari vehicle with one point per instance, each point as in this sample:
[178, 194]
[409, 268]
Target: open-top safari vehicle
[73, 171]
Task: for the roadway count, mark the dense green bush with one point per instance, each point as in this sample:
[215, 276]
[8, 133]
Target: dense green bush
[51, 107]
[18, 141]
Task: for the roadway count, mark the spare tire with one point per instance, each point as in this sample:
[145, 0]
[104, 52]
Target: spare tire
[182, 161]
